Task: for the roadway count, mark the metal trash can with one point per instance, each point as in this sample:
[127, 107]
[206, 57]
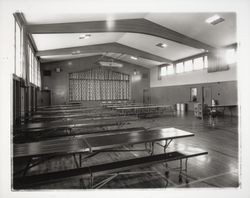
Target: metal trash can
[183, 107]
[178, 107]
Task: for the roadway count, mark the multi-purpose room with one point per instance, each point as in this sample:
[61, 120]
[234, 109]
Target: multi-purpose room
[124, 100]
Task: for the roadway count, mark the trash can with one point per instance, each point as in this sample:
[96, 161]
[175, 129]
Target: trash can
[178, 107]
[214, 102]
[183, 107]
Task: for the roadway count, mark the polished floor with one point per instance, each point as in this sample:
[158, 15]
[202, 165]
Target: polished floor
[220, 168]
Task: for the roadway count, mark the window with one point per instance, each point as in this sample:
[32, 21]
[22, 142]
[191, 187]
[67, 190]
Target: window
[179, 68]
[35, 72]
[31, 66]
[198, 63]
[230, 56]
[193, 94]
[30, 63]
[34, 68]
[38, 75]
[188, 65]
[170, 69]
[18, 50]
[163, 71]
[205, 62]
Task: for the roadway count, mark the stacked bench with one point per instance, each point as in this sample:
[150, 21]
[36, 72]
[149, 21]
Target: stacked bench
[146, 110]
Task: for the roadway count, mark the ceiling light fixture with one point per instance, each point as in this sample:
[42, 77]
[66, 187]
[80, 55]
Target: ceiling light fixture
[85, 36]
[162, 45]
[215, 19]
[134, 57]
[110, 64]
[135, 72]
[76, 52]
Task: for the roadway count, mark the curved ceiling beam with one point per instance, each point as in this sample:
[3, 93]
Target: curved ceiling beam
[141, 26]
[107, 47]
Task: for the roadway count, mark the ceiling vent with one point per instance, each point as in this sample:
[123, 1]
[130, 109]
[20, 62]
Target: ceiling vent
[215, 19]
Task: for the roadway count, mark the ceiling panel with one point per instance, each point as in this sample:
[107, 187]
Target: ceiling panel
[140, 61]
[194, 26]
[189, 24]
[148, 43]
[56, 41]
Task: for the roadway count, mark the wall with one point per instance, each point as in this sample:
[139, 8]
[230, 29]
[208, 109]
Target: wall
[224, 92]
[59, 85]
[194, 77]
[176, 89]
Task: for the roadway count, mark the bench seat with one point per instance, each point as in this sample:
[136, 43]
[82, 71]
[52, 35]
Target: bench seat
[102, 169]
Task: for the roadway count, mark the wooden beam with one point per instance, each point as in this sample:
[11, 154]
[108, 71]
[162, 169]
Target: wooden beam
[107, 47]
[141, 26]
[32, 42]
[20, 18]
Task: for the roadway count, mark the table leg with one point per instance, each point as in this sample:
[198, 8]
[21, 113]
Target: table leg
[80, 159]
[180, 173]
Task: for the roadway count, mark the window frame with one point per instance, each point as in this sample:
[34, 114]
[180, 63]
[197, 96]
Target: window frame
[181, 63]
[18, 46]
[162, 67]
[192, 65]
[182, 67]
[202, 62]
[234, 55]
[167, 67]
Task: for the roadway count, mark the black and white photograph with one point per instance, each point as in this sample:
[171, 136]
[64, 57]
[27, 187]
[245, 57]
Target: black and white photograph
[109, 98]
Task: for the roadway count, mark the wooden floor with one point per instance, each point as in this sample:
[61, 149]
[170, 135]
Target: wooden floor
[217, 169]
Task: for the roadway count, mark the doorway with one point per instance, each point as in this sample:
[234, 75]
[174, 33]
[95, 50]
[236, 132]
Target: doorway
[45, 99]
[207, 95]
[146, 96]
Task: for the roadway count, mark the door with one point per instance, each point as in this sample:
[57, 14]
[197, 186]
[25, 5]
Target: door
[146, 96]
[45, 98]
[207, 95]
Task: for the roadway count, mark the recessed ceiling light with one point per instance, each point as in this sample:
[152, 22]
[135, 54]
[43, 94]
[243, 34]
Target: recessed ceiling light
[215, 19]
[85, 36]
[134, 57]
[162, 45]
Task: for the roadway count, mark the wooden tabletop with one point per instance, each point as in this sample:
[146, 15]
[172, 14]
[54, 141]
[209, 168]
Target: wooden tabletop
[218, 106]
[80, 143]
[59, 106]
[124, 105]
[143, 107]
[74, 123]
[70, 110]
[73, 115]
